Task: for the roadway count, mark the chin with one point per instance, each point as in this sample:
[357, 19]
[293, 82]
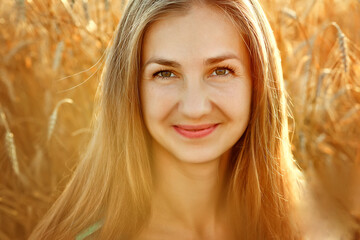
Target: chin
[197, 157]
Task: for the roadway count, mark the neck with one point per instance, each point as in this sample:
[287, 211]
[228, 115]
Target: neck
[189, 193]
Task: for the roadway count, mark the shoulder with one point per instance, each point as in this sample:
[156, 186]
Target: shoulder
[321, 218]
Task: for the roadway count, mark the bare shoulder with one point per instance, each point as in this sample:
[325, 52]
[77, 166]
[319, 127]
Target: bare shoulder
[321, 218]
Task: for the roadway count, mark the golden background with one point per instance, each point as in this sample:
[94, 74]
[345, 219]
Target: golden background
[51, 56]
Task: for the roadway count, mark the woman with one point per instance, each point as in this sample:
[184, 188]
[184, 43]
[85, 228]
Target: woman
[191, 136]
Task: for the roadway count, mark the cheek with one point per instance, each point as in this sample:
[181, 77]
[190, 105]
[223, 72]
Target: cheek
[234, 101]
[157, 101]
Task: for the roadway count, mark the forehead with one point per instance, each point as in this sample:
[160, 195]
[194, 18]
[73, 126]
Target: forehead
[200, 32]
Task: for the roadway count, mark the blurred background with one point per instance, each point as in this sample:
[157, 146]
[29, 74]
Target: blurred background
[51, 57]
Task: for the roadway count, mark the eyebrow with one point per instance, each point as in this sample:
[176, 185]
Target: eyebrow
[209, 61]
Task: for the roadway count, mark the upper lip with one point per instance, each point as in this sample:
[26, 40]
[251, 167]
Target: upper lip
[196, 127]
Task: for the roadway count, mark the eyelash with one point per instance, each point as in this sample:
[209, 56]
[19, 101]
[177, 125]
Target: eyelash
[162, 70]
[225, 67]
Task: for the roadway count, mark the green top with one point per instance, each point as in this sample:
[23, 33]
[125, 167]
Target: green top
[88, 231]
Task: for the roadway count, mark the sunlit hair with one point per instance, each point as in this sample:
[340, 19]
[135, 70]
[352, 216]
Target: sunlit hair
[113, 181]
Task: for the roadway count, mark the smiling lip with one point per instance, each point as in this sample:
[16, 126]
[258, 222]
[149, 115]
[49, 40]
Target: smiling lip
[195, 131]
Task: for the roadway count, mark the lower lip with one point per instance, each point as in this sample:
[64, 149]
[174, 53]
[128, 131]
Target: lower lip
[195, 134]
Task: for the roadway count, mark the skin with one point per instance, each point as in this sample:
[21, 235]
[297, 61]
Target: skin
[188, 172]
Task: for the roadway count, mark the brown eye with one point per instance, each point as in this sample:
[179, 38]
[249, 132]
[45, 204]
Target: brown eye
[221, 72]
[164, 74]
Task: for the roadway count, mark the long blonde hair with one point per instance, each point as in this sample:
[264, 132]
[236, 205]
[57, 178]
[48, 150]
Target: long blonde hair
[113, 181]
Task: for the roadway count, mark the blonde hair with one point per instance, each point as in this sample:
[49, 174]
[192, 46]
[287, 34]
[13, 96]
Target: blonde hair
[113, 182]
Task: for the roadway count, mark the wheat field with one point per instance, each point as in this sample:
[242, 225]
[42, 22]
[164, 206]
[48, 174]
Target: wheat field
[51, 56]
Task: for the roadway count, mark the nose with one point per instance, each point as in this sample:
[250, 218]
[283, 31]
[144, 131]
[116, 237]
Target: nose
[195, 102]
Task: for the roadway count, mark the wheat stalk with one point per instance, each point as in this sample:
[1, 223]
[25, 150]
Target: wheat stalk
[10, 144]
[343, 46]
[16, 49]
[338, 94]
[81, 131]
[58, 53]
[292, 14]
[289, 13]
[53, 116]
[351, 114]
[70, 12]
[6, 80]
[107, 5]
[323, 74]
[86, 10]
[21, 8]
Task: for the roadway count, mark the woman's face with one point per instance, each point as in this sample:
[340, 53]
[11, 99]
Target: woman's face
[195, 84]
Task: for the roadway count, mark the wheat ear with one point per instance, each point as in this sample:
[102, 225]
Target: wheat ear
[10, 145]
[53, 116]
[343, 46]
